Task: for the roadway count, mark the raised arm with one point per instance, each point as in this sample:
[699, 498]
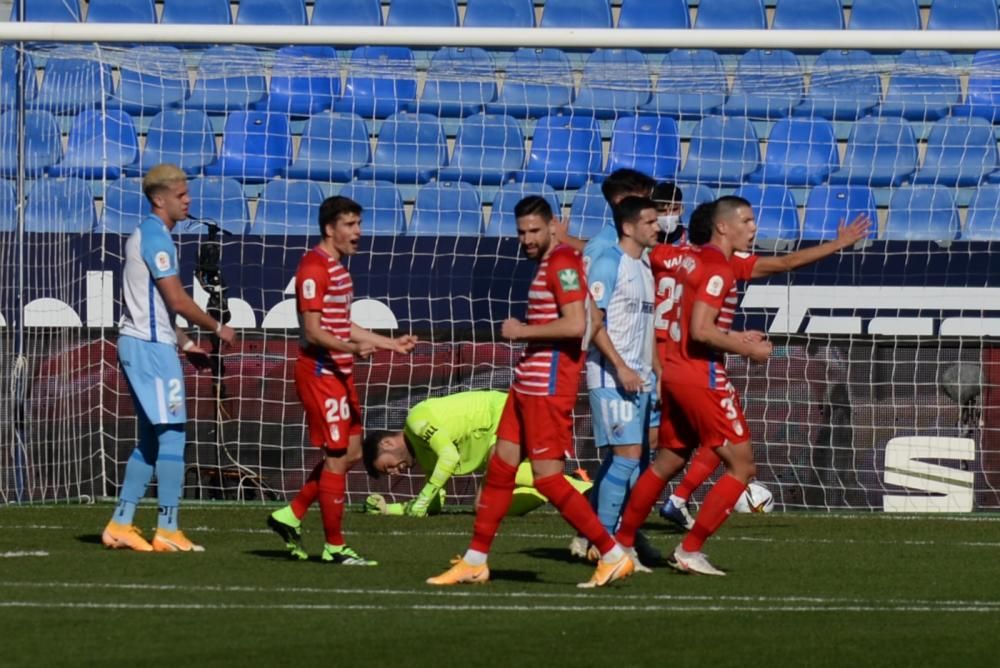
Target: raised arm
[847, 235]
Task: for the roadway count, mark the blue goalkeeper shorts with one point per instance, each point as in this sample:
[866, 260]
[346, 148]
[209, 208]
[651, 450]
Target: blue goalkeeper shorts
[155, 379]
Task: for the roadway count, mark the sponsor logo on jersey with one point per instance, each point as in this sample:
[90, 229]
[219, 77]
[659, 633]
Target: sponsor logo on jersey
[569, 279]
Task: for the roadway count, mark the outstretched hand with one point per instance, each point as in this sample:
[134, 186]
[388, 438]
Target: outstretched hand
[854, 232]
[404, 344]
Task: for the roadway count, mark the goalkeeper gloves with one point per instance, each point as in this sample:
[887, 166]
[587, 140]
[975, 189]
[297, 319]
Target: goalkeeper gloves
[375, 504]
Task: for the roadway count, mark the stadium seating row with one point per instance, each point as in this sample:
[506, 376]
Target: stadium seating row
[749, 14]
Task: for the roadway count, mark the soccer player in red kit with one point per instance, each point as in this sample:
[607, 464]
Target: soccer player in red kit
[537, 421]
[324, 380]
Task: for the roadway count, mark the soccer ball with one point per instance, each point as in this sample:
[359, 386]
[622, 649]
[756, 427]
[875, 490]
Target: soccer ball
[756, 499]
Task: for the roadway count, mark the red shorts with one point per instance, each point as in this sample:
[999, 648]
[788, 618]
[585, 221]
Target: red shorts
[542, 426]
[693, 416]
[332, 407]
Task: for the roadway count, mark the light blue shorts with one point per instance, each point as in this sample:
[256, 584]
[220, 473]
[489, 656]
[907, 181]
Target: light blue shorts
[155, 379]
[654, 411]
[620, 418]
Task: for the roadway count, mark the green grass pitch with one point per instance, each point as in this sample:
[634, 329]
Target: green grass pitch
[802, 590]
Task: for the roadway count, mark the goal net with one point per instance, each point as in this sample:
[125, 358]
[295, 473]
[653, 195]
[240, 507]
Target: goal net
[883, 388]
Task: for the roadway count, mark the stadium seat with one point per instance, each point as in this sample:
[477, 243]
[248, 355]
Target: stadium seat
[982, 222]
[800, 152]
[690, 83]
[8, 206]
[649, 144]
[125, 206]
[60, 205]
[8, 78]
[844, 86]
[423, 13]
[576, 14]
[808, 15]
[411, 148]
[499, 14]
[885, 15]
[723, 151]
[447, 208]
[100, 145]
[589, 211]
[922, 213]
[347, 13]
[963, 15]
[288, 208]
[538, 82]
[152, 78]
[183, 138]
[381, 80]
[489, 150]
[654, 14]
[774, 210]
[120, 11]
[196, 11]
[217, 200]
[960, 152]
[74, 80]
[827, 206]
[229, 78]
[46, 10]
[983, 96]
[460, 82]
[42, 143]
[694, 194]
[333, 147]
[615, 82]
[731, 14]
[768, 84]
[382, 204]
[565, 151]
[305, 80]
[256, 146]
[502, 221]
[923, 86]
[272, 12]
[880, 152]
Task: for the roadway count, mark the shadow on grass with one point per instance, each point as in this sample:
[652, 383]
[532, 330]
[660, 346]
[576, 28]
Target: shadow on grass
[280, 555]
[513, 576]
[552, 554]
[90, 538]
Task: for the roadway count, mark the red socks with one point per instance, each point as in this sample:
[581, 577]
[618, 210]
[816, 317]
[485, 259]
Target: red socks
[718, 504]
[307, 494]
[703, 463]
[494, 500]
[642, 498]
[331, 490]
[575, 509]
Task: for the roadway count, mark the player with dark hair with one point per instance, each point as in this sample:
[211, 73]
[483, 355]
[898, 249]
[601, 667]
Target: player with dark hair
[669, 200]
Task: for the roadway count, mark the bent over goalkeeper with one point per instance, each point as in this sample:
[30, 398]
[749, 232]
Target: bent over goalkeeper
[446, 436]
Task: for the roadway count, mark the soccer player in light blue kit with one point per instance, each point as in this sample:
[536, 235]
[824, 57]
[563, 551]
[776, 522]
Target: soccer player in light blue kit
[147, 350]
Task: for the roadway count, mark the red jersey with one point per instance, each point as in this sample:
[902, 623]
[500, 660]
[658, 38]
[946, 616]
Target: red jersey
[552, 368]
[323, 284]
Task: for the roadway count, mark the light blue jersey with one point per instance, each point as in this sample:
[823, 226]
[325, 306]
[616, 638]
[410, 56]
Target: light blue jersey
[149, 255]
[600, 242]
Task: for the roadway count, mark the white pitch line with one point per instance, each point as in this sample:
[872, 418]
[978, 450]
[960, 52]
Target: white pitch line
[30, 553]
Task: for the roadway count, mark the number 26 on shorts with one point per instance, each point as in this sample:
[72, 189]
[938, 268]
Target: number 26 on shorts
[336, 411]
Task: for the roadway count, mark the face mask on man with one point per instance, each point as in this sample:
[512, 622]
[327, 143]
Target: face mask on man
[668, 222]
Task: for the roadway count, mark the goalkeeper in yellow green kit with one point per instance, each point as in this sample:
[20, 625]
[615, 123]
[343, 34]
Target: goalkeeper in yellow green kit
[446, 436]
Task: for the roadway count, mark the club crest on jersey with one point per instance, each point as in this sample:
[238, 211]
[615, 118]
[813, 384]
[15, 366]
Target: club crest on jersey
[569, 279]
[714, 286]
[597, 291]
[309, 288]
[162, 260]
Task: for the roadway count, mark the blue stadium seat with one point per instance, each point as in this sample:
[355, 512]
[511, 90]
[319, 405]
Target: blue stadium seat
[844, 86]
[502, 221]
[538, 82]
[73, 82]
[731, 14]
[922, 213]
[411, 148]
[218, 200]
[42, 143]
[381, 80]
[774, 211]
[288, 208]
[120, 11]
[654, 14]
[983, 96]
[576, 14]
[423, 13]
[960, 152]
[489, 150]
[256, 146]
[447, 208]
[305, 80]
[982, 222]
[499, 14]
[615, 82]
[229, 78]
[827, 206]
[8, 206]
[880, 152]
[768, 84]
[100, 145]
[60, 205]
[334, 147]
[565, 151]
[272, 12]
[125, 206]
[923, 86]
[589, 211]
[347, 13]
[152, 78]
[808, 15]
[196, 11]
[649, 144]
[46, 10]
[690, 83]
[460, 82]
[183, 138]
[694, 194]
[963, 15]
[800, 152]
[885, 15]
[723, 151]
[8, 78]
[382, 204]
